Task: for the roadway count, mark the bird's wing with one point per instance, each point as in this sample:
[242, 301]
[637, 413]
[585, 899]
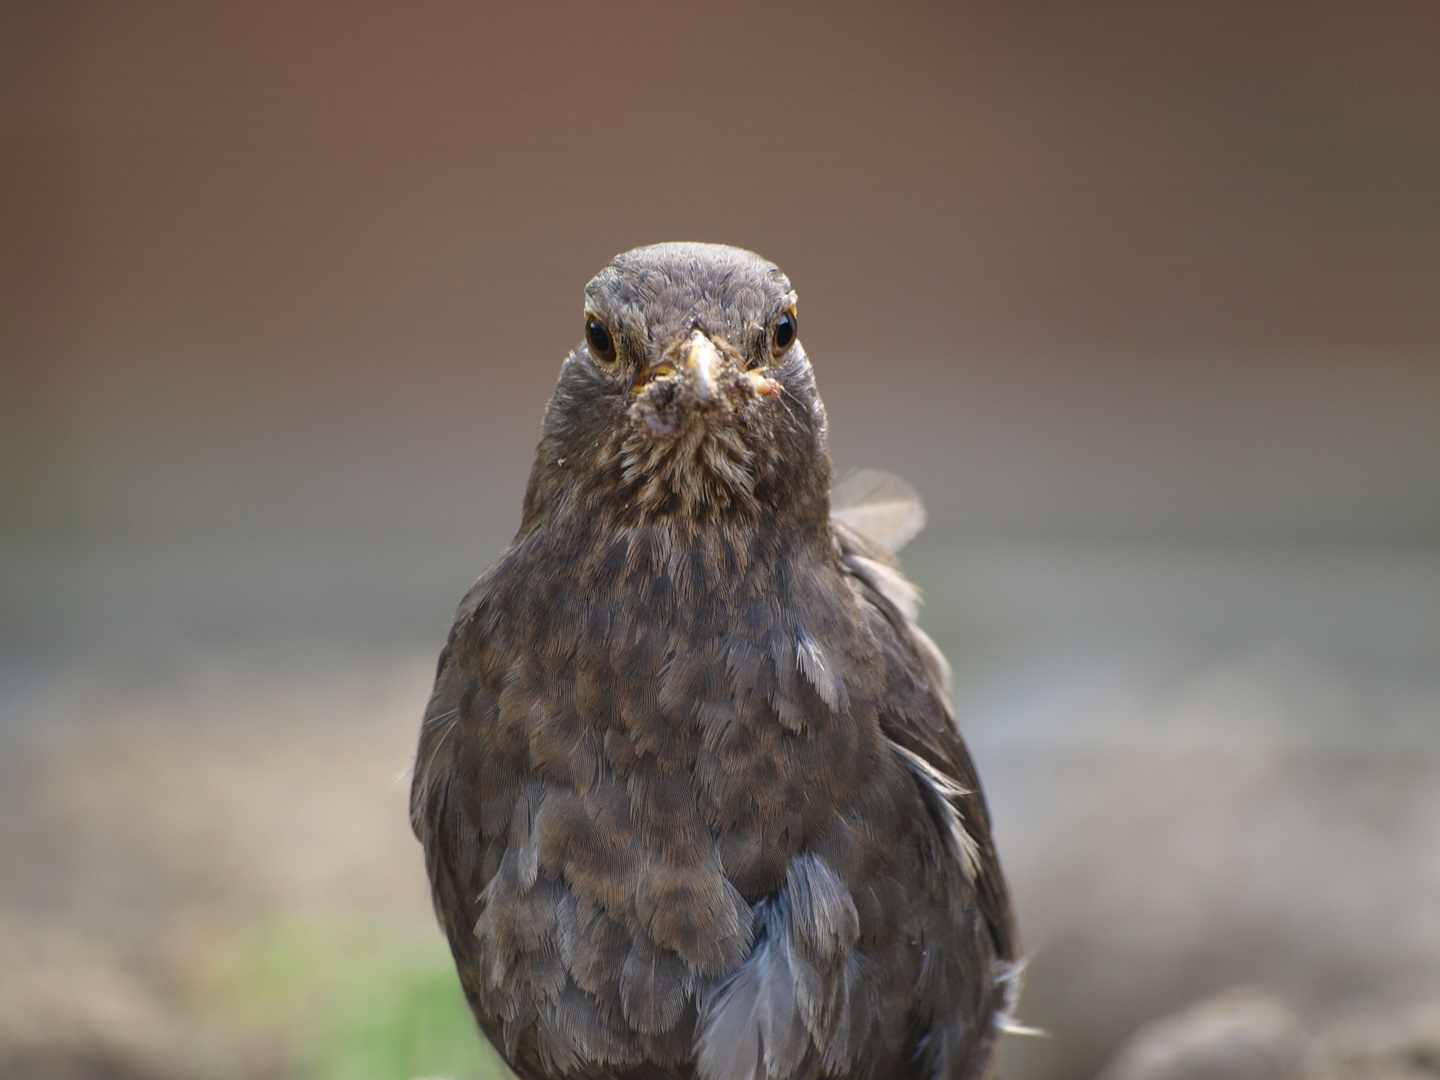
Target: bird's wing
[878, 505]
[457, 778]
[919, 718]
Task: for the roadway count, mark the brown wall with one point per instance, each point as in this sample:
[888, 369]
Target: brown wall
[1119, 269]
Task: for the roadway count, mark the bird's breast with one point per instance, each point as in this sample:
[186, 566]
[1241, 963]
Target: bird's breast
[695, 703]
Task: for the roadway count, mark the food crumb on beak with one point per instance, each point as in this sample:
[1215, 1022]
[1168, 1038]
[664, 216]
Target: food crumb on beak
[764, 384]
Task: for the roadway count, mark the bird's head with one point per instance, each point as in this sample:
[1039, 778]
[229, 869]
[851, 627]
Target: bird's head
[690, 399]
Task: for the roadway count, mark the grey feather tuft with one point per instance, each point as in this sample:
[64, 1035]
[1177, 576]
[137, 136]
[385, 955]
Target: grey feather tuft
[880, 506]
[941, 794]
[783, 1039]
[727, 1046]
[889, 583]
[749, 1026]
[816, 666]
[789, 1003]
[1010, 977]
[821, 914]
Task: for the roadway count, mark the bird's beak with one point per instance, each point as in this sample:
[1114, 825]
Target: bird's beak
[702, 361]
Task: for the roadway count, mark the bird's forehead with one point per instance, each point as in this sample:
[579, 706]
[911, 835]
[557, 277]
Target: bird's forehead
[682, 283]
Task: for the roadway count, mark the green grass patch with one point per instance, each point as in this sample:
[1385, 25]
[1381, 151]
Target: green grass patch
[349, 1002]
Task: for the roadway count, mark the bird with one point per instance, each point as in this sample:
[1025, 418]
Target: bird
[690, 788]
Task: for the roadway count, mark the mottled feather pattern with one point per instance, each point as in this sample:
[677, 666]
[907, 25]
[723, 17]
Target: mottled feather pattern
[692, 797]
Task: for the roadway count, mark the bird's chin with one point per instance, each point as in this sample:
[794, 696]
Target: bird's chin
[664, 409]
[686, 453]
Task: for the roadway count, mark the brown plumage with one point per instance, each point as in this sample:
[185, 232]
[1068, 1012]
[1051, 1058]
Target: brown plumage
[692, 797]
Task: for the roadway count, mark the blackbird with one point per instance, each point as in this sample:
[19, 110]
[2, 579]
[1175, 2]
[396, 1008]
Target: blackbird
[691, 792]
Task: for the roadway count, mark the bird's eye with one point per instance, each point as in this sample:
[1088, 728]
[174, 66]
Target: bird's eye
[782, 333]
[602, 345]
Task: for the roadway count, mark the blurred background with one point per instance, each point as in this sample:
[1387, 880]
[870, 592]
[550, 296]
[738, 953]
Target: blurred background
[1143, 297]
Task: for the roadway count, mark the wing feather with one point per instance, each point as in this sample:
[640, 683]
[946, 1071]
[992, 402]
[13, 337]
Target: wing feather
[921, 721]
[878, 505]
